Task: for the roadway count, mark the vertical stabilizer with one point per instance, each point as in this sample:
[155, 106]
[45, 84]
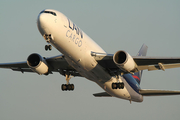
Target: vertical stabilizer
[142, 52]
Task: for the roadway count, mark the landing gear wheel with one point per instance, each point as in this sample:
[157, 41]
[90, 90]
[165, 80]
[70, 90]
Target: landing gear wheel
[48, 47]
[63, 87]
[119, 85]
[114, 86]
[69, 87]
[72, 86]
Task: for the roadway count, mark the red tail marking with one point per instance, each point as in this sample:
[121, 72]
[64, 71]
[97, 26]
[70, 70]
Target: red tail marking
[136, 77]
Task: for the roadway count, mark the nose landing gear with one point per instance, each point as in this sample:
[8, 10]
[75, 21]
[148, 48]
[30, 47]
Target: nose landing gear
[48, 47]
[48, 38]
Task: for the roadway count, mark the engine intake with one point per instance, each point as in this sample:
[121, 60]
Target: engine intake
[37, 64]
[124, 61]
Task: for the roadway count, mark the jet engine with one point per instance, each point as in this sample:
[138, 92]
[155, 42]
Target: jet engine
[37, 64]
[124, 61]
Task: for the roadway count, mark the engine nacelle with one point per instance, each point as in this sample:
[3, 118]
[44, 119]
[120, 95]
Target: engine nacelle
[37, 64]
[124, 61]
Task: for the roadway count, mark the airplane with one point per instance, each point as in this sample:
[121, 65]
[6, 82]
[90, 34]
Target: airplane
[119, 74]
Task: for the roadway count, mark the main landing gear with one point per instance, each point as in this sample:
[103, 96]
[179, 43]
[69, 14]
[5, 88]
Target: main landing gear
[118, 85]
[48, 38]
[67, 86]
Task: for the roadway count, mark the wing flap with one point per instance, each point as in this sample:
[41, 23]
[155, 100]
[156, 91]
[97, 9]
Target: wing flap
[157, 67]
[146, 92]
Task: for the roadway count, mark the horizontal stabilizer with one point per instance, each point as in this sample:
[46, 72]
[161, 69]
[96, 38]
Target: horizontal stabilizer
[102, 94]
[145, 92]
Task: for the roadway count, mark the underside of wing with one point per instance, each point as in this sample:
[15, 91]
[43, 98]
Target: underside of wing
[55, 64]
[59, 64]
[14, 65]
[145, 92]
[17, 66]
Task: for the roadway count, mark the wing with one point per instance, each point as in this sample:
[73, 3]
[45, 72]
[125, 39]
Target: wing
[156, 63]
[143, 62]
[102, 94]
[16, 66]
[145, 92]
[56, 64]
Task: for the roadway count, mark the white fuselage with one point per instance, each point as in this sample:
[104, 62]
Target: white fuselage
[77, 47]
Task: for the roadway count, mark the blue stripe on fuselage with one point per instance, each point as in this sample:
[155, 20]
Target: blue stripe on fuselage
[132, 82]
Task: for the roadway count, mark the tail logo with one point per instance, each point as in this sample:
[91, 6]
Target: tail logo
[136, 77]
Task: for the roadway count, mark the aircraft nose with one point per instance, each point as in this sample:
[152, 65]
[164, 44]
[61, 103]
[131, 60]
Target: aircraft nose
[41, 21]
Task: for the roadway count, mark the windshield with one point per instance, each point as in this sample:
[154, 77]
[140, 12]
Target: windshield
[50, 12]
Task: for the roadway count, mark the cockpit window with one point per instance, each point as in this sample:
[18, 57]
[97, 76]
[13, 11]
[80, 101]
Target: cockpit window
[53, 13]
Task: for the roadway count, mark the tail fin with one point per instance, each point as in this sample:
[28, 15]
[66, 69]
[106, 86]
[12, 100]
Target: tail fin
[142, 52]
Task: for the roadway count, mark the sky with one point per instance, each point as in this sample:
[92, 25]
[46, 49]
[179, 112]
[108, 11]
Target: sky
[114, 25]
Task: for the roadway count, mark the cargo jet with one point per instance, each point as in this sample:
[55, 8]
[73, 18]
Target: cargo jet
[119, 74]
